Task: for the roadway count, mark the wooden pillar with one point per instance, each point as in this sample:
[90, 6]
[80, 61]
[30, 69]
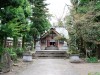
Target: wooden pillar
[58, 43]
[48, 42]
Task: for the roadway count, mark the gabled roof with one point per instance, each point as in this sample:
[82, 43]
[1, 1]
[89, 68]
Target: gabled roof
[48, 32]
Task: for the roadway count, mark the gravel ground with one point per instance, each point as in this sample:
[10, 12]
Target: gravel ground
[53, 67]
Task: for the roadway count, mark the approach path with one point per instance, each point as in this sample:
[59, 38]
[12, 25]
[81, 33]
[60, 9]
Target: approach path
[57, 67]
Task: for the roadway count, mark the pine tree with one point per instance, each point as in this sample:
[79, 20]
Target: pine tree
[40, 23]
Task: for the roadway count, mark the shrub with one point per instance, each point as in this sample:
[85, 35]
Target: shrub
[19, 51]
[92, 60]
[12, 53]
[1, 51]
[94, 73]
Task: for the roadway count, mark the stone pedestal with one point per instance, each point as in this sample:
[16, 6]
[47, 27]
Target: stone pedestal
[75, 59]
[27, 56]
[64, 47]
[38, 46]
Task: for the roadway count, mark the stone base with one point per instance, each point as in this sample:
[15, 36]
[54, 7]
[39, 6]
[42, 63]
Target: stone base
[27, 56]
[37, 48]
[75, 59]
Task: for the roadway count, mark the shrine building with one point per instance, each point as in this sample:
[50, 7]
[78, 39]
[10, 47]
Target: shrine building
[49, 41]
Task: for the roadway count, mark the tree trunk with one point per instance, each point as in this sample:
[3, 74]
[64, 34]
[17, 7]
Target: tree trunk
[34, 43]
[82, 47]
[23, 42]
[98, 51]
[5, 40]
[2, 42]
[15, 42]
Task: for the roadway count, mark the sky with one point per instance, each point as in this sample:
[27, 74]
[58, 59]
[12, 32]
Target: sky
[56, 8]
[63, 32]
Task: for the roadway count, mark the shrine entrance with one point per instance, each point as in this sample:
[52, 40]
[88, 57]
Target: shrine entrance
[52, 43]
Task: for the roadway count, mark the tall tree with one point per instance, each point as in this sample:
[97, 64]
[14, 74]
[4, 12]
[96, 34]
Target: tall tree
[85, 25]
[40, 23]
[14, 12]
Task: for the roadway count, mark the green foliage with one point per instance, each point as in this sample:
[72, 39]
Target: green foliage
[82, 9]
[12, 28]
[12, 53]
[94, 73]
[83, 2]
[92, 60]
[1, 50]
[19, 52]
[14, 3]
[72, 43]
[27, 8]
[1, 66]
[62, 38]
[13, 14]
[39, 19]
[35, 31]
[84, 25]
[97, 6]
[10, 12]
[73, 51]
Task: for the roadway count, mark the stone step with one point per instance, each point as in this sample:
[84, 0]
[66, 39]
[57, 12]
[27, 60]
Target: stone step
[50, 54]
[51, 51]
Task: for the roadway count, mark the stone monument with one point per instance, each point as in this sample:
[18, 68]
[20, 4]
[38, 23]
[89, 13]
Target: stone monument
[38, 46]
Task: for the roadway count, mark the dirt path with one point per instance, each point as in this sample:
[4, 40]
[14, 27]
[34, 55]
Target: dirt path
[54, 67]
